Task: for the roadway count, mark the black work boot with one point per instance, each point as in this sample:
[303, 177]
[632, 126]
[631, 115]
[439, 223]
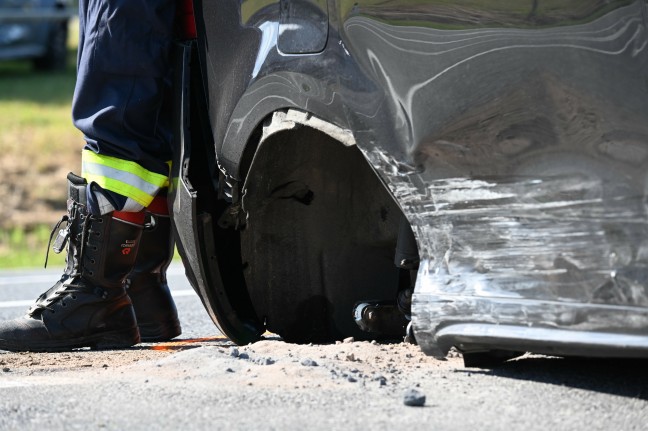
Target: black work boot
[157, 317]
[88, 306]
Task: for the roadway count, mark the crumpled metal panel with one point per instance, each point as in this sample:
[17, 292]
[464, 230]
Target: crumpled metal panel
[528, 202]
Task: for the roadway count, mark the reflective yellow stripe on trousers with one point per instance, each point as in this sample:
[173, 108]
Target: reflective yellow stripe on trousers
[122, 176]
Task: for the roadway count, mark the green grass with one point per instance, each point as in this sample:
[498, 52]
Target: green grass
[35, 113]
[38, 145]
[21, 248]
[35, 109]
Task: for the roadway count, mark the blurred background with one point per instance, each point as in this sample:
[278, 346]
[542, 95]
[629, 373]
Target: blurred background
[38, 143]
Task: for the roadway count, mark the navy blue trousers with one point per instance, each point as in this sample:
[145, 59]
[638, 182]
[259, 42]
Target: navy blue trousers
[122, 99]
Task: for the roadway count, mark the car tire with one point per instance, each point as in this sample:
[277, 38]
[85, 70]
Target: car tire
[55, 58]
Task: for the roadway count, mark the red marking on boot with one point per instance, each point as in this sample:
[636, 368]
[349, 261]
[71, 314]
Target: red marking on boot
[185, 16]
[126, 250]
[159, 206]
[131, 217]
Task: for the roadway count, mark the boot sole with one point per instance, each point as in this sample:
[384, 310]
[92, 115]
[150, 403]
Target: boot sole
[103, 341]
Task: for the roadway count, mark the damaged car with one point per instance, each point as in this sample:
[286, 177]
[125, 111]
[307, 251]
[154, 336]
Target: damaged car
[466, 173]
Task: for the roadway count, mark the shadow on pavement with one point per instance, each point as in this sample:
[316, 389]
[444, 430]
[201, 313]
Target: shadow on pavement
[623, 377]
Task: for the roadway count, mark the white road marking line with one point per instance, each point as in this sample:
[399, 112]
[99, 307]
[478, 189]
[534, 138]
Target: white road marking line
[27, 279]
[9, 304]
[51, 277]
[27, 303]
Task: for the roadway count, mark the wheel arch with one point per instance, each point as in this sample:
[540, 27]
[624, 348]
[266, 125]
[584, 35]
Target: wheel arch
[321, 228]
[229, 213]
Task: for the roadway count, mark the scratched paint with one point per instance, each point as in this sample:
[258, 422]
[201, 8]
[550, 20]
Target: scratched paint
[528, 200]
[551, 244]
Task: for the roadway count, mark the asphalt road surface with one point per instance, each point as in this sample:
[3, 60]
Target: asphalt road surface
[202, 381]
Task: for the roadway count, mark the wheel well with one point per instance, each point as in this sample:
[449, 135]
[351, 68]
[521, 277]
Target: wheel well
[321, 231]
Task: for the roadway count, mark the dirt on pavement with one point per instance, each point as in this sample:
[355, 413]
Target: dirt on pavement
[268, 363]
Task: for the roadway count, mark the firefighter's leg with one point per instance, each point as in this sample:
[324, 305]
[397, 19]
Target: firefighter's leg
[121, 105]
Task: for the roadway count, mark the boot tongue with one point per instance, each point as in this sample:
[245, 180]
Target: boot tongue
[102, 201]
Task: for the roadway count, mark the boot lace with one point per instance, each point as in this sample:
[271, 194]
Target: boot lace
[61, 239]
[46, 302]
[71, 282]
[64, 234]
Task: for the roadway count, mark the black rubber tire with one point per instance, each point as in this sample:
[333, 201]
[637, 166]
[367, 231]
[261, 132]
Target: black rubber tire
[55, 58]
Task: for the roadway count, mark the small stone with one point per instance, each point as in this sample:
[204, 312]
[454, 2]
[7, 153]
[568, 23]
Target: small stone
[229, 370]
[349, 340]
[6, 369]
[350, 357]
[244, 356]
[414, 398]
[352, 379]
[338, 342]
[234, 352]
[382, 381]
[307, 362]
[265, 361]
[374, 342]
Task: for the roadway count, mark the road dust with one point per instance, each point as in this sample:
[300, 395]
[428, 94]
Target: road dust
[272, 385]
[270, 363]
